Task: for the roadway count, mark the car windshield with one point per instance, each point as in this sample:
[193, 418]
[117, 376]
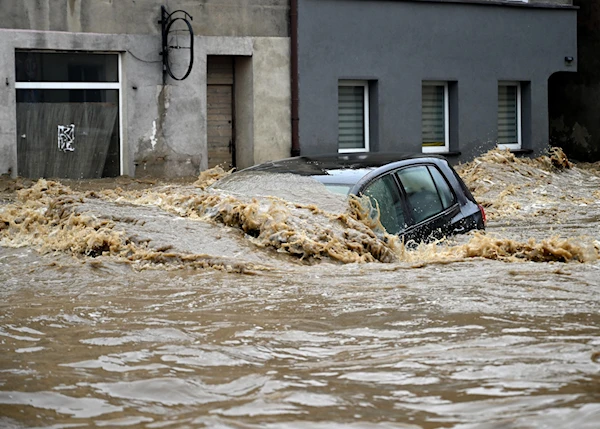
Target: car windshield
[339, 189]
[287, 186]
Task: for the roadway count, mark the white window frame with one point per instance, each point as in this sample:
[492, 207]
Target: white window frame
[365, 85]
[518, 145]
[90, 85]
[446, 147]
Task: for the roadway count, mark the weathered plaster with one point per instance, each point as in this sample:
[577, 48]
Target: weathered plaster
[164, 127]
[272, 107]
[254, 18]
[244, 111]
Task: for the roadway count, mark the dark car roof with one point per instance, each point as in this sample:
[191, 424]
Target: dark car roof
[338, 168]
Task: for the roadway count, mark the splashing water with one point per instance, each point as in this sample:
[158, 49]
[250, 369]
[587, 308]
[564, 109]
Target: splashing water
[53, 217]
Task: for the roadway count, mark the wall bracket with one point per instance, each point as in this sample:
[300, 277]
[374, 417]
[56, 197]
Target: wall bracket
[174, 38]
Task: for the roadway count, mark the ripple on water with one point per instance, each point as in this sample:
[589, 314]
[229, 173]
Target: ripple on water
[181, 391]
[257, 408]
[490, 411]
[164, 335]
[62, 404]
[165, 391]
[387, 377]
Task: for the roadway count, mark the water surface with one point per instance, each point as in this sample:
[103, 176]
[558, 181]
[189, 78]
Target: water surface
[143, 305]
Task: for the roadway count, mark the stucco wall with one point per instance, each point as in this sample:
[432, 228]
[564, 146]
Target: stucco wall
[8, 127]
[272, 105]
[211, 17]
[263, 105]
[475, 45]
[164, 126]
[164, 132]
[13, 39]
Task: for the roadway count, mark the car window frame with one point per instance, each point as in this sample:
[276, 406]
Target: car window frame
[408, 206]
[448, 184]
[448, 174]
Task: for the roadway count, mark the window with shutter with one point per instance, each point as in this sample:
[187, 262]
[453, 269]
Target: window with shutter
[353, 116]
[434, 116]
[509, 115]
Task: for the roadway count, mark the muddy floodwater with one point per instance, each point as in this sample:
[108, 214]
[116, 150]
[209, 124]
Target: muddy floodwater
[248, 303]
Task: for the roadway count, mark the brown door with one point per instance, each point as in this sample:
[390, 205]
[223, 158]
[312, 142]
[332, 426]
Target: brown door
[220, 120]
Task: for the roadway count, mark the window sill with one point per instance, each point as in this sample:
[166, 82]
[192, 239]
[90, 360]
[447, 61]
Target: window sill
[521, 151]
[447, 154]
[453, 153]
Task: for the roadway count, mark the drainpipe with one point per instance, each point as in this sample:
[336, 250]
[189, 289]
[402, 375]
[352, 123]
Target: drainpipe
[294, 75]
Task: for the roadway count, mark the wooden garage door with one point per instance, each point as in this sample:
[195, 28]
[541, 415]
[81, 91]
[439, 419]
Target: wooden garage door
[220, 120]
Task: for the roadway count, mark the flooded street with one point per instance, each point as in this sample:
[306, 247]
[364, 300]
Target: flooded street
[152, 305]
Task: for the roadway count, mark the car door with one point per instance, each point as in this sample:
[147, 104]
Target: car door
[430, 202]
[387, 203]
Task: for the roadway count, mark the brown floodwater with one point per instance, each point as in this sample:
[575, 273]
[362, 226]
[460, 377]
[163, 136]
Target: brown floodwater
[151, 304]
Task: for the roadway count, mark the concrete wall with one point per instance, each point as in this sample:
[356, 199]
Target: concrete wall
[263, 105]
[235, 18]
[272, 104]
[164, 126]
[474, 45]
[164, 132]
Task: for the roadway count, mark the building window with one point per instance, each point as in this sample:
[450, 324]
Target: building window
[353, 116]
[68, 114]
[509, 115]
[435, 117]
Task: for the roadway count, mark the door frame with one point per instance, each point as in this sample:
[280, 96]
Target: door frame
[233, 85]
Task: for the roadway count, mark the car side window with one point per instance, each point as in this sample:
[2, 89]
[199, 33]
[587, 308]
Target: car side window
[421, 192]
[384, 192]
[443, 188]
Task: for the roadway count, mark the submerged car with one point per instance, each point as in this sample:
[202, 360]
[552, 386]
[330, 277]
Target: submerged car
[419, 197]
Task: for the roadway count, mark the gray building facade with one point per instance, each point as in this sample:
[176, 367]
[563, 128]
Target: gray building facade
[449, 77]
[83, 92]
